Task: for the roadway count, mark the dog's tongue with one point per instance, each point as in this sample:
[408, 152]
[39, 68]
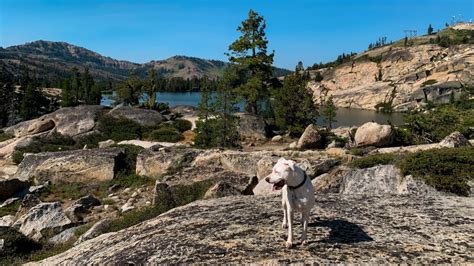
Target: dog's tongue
[273, 187]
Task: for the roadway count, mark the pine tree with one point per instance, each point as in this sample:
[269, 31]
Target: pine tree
[249, 54]
[205, 125]
[225, 107]
[8, 99]
[76, 86]
[293, 104]
[329, 112]
[430, 30]
[129, 92]
[33, 103]
[87, 85]
[151, 88]
[67, 98]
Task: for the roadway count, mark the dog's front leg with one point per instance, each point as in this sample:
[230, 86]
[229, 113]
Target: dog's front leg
[289, 215]
[285, 216]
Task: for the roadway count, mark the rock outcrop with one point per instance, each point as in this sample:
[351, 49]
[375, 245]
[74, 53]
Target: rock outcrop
[348, 229]
[409, 76]
[71, 166]
[68, 121]
[43, 219]
[373, 134]
[156, 161]
[454, 140]
[310, 138]
[251, 127]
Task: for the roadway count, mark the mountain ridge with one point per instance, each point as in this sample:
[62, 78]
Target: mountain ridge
[53, 59]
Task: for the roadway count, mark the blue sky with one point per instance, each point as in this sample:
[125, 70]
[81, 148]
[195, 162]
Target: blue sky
[140, 31]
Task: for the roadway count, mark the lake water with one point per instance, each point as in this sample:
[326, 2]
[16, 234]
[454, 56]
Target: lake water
[345, 117]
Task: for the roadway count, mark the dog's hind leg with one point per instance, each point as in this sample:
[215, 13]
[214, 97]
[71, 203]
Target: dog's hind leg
[289, 214]
[305, 218]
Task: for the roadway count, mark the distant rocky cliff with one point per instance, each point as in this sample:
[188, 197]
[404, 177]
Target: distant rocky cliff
[402, 77]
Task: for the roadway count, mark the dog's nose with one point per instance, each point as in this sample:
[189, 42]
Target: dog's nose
[267, 179]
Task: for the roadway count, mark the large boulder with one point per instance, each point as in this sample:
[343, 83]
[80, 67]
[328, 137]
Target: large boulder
[156, 161]
[42, 220]
[454, 140]
[373, 134]
[143, 117]
[10, 187]
[63, 237]
[310, 138]
[71, 166]
[381, 180]
[242, 162]
[251, 127]
[68, 121]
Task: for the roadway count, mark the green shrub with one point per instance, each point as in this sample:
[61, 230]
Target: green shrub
[403, 137]
[374, 160]
[182, 125]
[447, 169]
[118, 129]
[63, 191]
[166, 134]
[434, 125]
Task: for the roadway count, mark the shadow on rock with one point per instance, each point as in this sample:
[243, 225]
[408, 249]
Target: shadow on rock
[342, 232]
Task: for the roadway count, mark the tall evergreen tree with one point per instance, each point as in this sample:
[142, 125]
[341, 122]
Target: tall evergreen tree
[33, 103]
[129, 92]
[249, 54]
[205, 125]
[87, 86]
[8, 100]
[67, 97]
[225, 107]
[151, 88]
[329, 112]
[76, 86]
[293, 104]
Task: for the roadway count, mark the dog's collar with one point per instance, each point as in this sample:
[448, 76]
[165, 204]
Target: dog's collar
[301, 184]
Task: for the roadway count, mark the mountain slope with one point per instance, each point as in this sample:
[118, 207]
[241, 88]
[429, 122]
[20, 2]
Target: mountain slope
[52, 60]
[398, 77]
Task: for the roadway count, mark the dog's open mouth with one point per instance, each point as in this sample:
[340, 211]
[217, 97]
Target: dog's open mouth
[278, 185]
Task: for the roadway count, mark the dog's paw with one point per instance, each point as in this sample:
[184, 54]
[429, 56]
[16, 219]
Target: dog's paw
[288, 244]
[304, 243]
[284, 225]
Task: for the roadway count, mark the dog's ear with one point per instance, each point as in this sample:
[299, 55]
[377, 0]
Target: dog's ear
[290, 164]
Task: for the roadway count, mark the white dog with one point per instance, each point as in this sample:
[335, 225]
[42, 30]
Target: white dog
[297, 194]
